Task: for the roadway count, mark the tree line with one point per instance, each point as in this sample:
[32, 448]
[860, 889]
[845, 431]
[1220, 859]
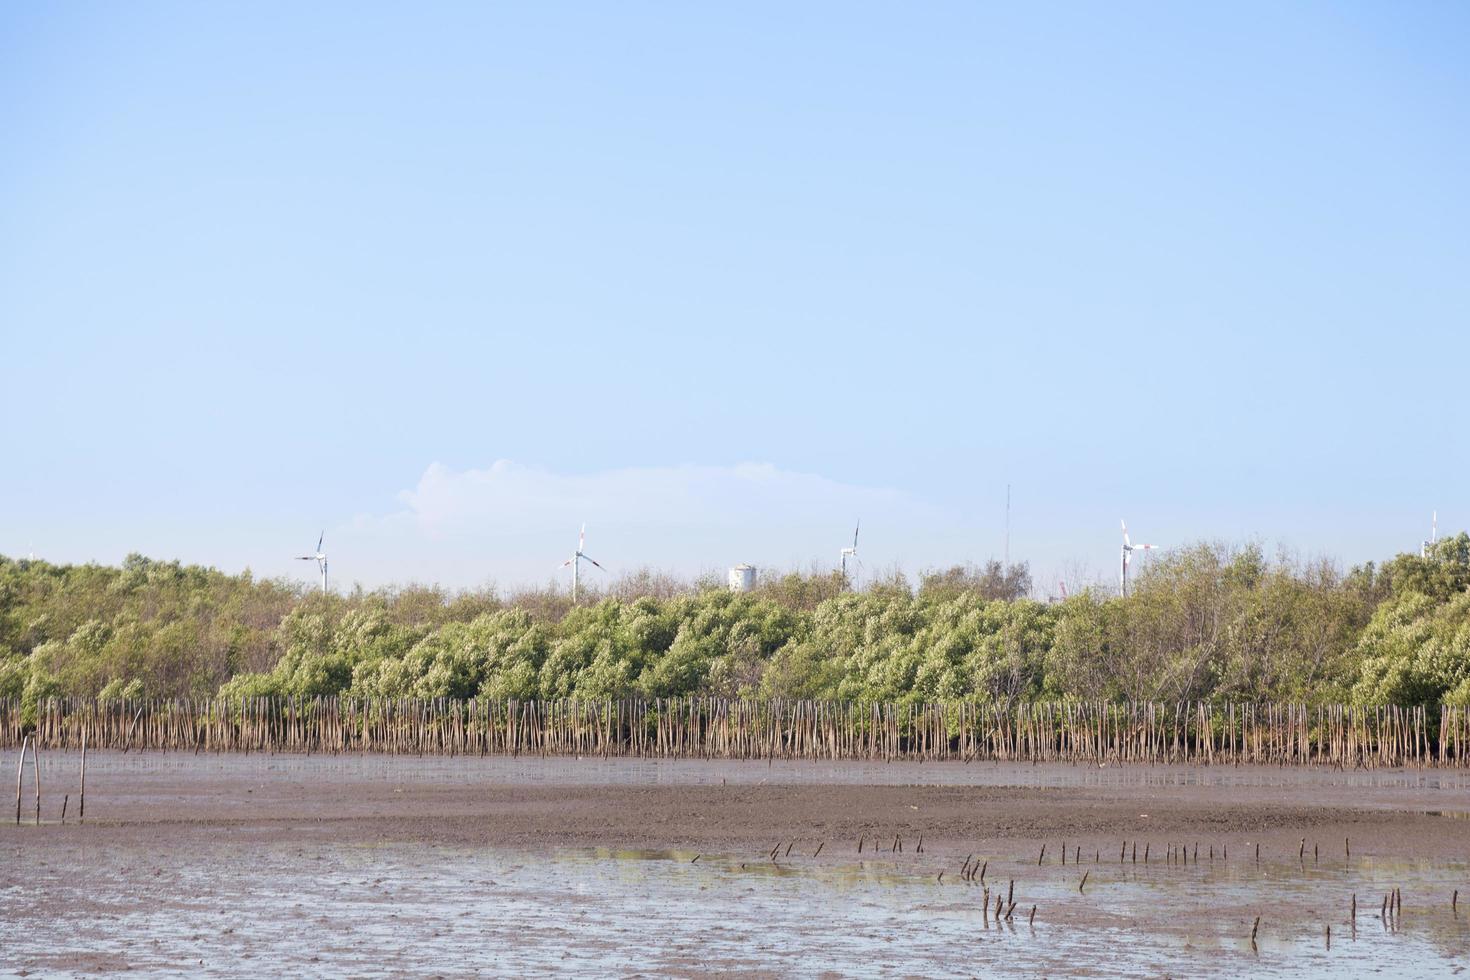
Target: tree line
[1210, 622]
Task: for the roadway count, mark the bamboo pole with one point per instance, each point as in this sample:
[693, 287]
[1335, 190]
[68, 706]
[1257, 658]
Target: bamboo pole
[19, 774]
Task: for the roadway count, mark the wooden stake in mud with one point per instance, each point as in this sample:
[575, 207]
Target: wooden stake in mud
[1083, 883]
[19, 773]
[131, 728]
[1347, 848]
[36, 768]
[1455, 903]
[920, 848]
[1329, 937]
[1043, 855]
[860, 843]
[64, 800]
[82, 799]
[1031, 920]
[819, 848]
[1011, 892]
[1254, 927]
[983, 868]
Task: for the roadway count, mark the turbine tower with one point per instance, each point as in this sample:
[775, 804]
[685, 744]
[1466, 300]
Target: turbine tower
[847, 553]
[1427, 547]
[576, 561]
[320, 558]
[1128, 548]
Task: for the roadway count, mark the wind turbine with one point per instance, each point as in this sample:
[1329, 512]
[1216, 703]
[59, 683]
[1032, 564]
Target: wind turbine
[1425, 547]
[1128, 548]
[847, 553]
[320, 558]
[576, 561]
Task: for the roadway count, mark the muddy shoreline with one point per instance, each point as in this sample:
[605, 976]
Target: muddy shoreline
[356, 862]
[738, 805]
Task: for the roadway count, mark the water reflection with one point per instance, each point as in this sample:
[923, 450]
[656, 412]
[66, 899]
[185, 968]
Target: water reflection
[389, 909]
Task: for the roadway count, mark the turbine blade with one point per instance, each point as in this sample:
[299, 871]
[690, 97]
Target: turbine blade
[856, 528]
[1126, 543]
[322, 537]
[595, 563]
[566, 563]
[582, 538]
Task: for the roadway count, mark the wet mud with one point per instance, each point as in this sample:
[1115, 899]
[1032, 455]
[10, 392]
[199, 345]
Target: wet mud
[389, 866]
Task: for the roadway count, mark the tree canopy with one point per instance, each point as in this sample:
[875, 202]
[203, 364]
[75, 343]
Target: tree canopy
[1208, 621]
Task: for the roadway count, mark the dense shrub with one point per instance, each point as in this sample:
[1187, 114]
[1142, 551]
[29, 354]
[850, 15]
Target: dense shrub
[1209, 621]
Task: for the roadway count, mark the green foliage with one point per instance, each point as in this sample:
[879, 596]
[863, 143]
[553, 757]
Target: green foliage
[1202, 622]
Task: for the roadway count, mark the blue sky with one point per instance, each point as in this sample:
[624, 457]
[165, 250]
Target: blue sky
[449, 281]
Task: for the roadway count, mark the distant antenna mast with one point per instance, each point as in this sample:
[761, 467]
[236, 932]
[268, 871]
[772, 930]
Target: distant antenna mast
[1425, 547]
[1008, 526]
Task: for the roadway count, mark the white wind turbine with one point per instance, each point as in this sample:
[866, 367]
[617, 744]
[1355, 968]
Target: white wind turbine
[847, 553]
[320, 558]
[1425, 547]
[1128, 548]
[576, 561]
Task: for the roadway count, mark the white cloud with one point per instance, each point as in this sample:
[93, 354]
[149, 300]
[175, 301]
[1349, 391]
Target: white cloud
[511, 522]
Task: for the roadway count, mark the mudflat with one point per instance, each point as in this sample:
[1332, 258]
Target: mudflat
[362, 864]
[532, 802]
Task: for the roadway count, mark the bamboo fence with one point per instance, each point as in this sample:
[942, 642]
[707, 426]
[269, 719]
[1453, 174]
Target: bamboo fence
[1335, 735]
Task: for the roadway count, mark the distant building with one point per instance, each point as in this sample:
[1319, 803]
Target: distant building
[742, 578]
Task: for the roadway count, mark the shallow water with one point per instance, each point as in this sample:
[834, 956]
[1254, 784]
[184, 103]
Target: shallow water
[382, 910]
[253, 895]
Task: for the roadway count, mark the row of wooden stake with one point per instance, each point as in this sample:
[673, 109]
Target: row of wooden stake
[20, 771]
[1093, 732]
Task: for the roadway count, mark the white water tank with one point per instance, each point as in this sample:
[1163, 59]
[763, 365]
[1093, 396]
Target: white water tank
[742, 578]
